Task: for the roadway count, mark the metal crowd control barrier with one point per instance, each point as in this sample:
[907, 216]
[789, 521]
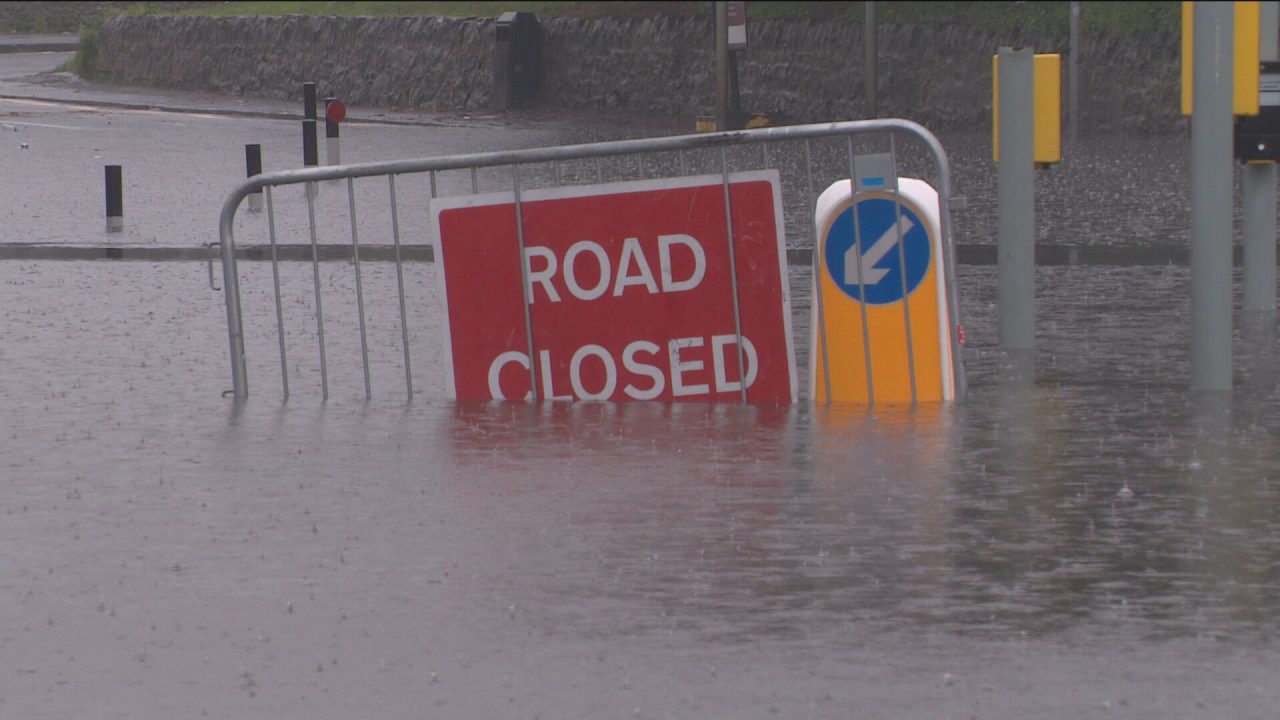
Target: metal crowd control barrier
[515, 159]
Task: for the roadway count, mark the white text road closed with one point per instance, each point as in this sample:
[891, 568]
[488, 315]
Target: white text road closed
[686, 367]
[627, 288]
[553, 276]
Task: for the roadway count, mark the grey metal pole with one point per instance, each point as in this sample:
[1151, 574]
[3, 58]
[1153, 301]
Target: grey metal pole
[722, 66]
[1260, 200]
[870, 60]
[1073, 76]
[1015, 196]
[1211, 197]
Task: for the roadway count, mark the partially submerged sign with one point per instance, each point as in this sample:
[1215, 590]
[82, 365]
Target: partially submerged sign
[628, 288]
[882, 332]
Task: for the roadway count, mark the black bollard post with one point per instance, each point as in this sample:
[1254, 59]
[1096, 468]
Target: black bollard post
[310, 149]
[253, 166]
[310, 155]
[309, 100]
[115, 198]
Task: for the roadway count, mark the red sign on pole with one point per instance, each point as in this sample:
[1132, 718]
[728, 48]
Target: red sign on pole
[737, 25]
[629, 292]
[335, 112]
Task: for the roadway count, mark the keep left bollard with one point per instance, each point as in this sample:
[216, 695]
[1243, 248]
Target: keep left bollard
[115, 198]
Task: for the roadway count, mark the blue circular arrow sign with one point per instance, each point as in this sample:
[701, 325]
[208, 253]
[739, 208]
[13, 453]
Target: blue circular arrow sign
[875, 275]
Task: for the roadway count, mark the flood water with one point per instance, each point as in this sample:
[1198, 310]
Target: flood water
[1083, 538]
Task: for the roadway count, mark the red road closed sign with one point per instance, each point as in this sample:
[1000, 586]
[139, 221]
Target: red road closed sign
[629, 290]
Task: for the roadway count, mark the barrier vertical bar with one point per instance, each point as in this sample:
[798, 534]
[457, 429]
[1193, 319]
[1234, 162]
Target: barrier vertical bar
[231, 298]
[733, 272]
[355, 255]
[404, 317]
[862, 289]
[1211, 201]
[818, 263]
[527, 289]
[315, 274]
[475, 181]
[958, 376]
[275, 283]
[902, 264]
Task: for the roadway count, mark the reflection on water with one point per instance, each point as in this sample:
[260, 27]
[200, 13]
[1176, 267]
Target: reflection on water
[1088, 488]
[1031, 510]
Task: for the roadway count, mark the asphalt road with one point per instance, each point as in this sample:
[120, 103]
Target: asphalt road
[182, 152]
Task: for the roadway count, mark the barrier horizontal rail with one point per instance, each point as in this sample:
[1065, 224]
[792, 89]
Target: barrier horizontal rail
[1047, 254]
[516, 158]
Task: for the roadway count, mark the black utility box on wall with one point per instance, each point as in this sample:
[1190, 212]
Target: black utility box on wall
[517, 58]
[1258, 136]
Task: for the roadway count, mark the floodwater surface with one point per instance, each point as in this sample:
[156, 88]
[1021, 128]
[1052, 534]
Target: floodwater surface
[1088, 539]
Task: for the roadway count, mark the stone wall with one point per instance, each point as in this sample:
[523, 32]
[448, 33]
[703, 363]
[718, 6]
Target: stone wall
[422, 62]
[805, 70]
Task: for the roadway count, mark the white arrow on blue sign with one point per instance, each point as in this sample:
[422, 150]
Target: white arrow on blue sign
[879, 265]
